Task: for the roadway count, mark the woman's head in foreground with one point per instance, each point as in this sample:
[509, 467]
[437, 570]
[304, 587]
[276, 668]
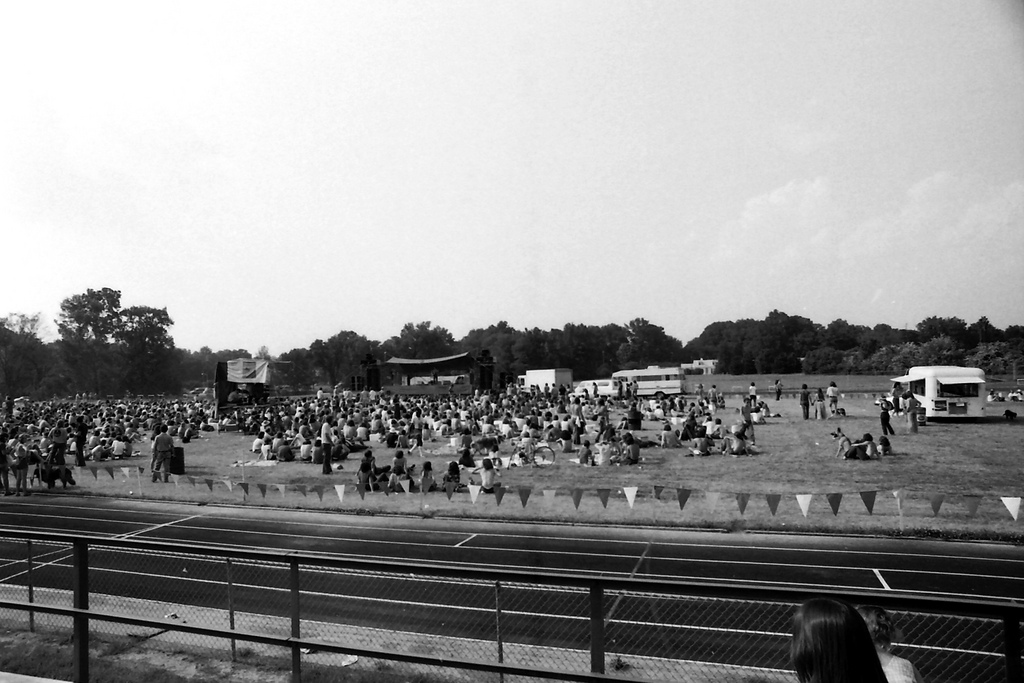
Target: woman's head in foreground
[831, 644]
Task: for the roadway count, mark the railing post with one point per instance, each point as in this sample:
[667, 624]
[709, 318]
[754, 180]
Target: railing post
[231, 607]
[1011, 646]
[294, 587]
[31, 591]
[597, 628]
[497, 627]
[80, 665]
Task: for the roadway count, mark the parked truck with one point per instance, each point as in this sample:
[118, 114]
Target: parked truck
[551, 376]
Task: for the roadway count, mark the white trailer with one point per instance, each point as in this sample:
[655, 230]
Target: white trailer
[947, 390]
[551, 377]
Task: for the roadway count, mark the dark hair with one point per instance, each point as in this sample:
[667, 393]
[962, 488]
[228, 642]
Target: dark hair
[831, 644]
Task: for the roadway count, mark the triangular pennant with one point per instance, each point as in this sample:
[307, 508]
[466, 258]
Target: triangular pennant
[603, 495]
[712, 499]
[449, 488]
[869, 500]
[301, 488]
[657, 492]
[406, 485]
[263, 489]
[549, 495]
[834, 500]
[936, 501]
[683, 495]
[94, 475]
[340, 490]
[972, 503]
[319, 491]
[524, 494]
[577, 496]
[1012, 504]
[280, 487]
[361, 490]
[386, 489]
[229, 484]
[741, 501]
[141, 469]
[175, 478]
[127, 472]
[773, 501]
[191, 479]
[630, 492]
[474, 491]
[499, 493]
[804, 500]
[244, 485]
[209, 483]
[110, 471]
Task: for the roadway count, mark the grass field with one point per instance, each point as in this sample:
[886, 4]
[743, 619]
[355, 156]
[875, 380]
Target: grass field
[948, 464]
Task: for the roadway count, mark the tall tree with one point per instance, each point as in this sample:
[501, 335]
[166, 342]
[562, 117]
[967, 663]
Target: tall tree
[23, 356]
[647, 344]
[87, 323]
[339, 358]
[147, 350]
[954, 328]
[421, 340]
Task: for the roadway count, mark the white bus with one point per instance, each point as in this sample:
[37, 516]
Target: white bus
[654, 381]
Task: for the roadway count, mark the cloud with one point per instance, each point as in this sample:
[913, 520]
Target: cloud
[937, 252]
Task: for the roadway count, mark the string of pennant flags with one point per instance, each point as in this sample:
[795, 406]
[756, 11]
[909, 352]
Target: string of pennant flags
[683, 495]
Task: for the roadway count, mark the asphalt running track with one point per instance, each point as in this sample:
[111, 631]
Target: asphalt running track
[643, 625]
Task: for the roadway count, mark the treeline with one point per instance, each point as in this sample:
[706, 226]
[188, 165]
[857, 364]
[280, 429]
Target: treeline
[107, 349]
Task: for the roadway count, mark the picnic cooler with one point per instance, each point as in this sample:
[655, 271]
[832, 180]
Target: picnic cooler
[178, 461]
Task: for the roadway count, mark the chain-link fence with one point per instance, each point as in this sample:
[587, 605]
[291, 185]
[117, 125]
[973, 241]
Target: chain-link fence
[314, 613]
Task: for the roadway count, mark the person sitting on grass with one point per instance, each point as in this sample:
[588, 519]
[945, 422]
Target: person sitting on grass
[427, 483]
[466, 459]
[701, 443]
[865, 449]
[487, 476]
[630, 455]
[844, 444]
[586, 455]
[453, 475]
[669, 438]
[735, 444]
[400, 470]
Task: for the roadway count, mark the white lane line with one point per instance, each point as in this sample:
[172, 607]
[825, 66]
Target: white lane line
[465, 540]
[158, 526]
[878, 575]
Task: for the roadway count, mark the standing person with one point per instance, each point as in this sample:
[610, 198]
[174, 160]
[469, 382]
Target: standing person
[831, 644]
[885, 418]
[748, 420]
[5, 464]
[752, 394]
[819, 405]
[81, 435]
[713, 398]
[778, 389]
[21, 460]
[882, 631]
[163, 451]
[58, 450]
[833, 398]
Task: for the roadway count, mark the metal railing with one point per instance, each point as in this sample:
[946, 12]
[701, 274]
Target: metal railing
[319, 611]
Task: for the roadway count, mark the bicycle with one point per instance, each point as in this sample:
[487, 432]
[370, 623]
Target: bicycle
[537, 455]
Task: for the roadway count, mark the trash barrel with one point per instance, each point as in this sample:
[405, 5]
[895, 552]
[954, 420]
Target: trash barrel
[178, 461]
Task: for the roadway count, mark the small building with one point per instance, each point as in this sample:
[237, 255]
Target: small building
[701, 366]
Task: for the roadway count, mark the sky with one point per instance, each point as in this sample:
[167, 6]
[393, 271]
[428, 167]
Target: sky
[273, 173]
